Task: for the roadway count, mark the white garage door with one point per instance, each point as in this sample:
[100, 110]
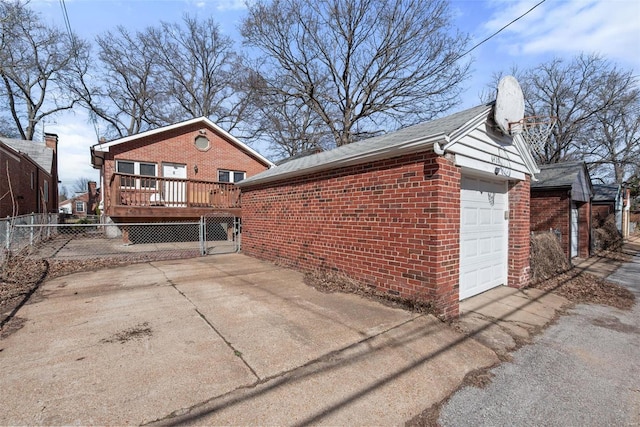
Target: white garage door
[483, 235]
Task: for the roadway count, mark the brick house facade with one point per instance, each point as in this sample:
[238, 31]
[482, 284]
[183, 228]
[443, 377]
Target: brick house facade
[200, 149]
[560, 189]
[387, 211]
[29, 181]
[82, 204]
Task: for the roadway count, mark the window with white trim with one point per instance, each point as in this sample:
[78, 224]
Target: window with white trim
[144, 169]
[231, 176]
[79, 206]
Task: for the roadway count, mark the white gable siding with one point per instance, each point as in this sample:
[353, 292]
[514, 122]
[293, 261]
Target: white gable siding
[482, 149]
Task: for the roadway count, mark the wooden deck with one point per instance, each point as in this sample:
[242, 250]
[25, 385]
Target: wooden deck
[136, 197]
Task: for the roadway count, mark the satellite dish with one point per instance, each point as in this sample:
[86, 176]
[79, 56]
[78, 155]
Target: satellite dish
[509, 108]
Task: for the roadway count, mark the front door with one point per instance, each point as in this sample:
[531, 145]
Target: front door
[175, 184]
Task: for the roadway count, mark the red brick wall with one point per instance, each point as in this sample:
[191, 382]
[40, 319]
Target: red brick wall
[551, 210]
[177, 146]
[26, 199]
[519, 233]
[393, 224]
[601, 212]
[51, 141]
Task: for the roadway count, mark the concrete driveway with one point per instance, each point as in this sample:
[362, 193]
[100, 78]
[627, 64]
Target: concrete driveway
[222, 340]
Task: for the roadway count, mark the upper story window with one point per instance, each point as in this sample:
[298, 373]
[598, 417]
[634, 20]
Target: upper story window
[46, 191]
[79, 206]
[231, 176]
[137, 168]
[202, 143]
[33, 180]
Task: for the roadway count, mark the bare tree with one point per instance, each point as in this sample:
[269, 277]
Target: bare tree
[361, 66]
[612, 141]
[124, 89]
[81, 185]
[289, 125]
[38, 63]
[164, 74]
[63, 193]
[199, 70]
[575, 92]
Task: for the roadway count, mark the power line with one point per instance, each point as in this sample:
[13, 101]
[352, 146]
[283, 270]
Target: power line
[500, 30]
[65, 16]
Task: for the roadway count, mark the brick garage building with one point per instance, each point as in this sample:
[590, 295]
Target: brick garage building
[438, 211]
[561, 202]
[607, 200]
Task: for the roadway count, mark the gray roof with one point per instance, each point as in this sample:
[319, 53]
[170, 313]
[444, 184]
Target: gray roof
[36, 150]
[605, 193]
[415, 138]
[558, 175]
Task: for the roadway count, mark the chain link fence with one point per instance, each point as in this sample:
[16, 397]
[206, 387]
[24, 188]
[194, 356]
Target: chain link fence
[124, 242]
[20, 232]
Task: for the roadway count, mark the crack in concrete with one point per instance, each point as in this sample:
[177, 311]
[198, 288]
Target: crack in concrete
[280, 377]
[236, 352]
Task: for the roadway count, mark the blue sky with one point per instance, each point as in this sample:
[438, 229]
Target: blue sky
[557, 28]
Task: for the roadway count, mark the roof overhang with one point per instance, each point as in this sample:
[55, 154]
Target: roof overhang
[97, 160]
[15, 155]
[409, 147]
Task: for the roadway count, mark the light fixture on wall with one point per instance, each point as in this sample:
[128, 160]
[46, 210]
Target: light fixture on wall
[195, 168]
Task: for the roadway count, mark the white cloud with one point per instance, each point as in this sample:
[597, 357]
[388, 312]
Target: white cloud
[224, 5]
[75, 136]
[610, 28]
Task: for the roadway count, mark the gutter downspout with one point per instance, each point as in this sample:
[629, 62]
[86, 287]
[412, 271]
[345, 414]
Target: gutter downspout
[439, 149]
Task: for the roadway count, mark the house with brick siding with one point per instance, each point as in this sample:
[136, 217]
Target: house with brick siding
[438, 211]
[181, 171]
[75, 206]
[561, 202]
[82, 204]
[29, 176]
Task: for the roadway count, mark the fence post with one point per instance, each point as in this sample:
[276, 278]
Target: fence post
[237, 232]
[31, 229]
[202, 235]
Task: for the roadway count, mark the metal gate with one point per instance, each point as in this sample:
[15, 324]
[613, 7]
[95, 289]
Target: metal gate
[219, 234]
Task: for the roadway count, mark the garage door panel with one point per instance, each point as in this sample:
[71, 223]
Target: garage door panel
[484, 246]
[485, 217]
[483, 235]
[469, 216]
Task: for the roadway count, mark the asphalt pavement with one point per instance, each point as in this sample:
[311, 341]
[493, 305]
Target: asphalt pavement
[584, 370]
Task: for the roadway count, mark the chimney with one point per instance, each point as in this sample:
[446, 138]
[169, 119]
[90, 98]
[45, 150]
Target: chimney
[92, 198]
[51, 141]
